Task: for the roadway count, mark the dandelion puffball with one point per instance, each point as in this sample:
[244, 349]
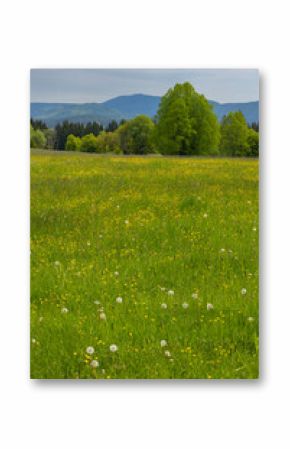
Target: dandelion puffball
[194, 295]
[163, 343]
[244, 291]
[251, 319]
[170, 292]
[94, 364]
[113, 348]
[103, 316]
[119, 300]
[64, 310]
[116, 273]
[209, 306]
[163, 306]
[185, 305]
[167, 353]
[90, 350]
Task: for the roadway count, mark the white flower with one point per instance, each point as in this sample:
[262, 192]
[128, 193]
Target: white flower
[126, 221]
[185, 305]
[251, 319]
[33, 340]
[194, 295]
[163, 306]
[113, 348]
[254, 229]
[170, 292]
[57, 263]
[64, 310]
[244, 291]
[89, 243]
[94, 364]
[116, 273]
[119, 300]
[222, 250]
[167, 353]
[97, 302]
[163, 343]
[209, 306]
[103, 316]
[204, 215]
[162, 289]
[90, 350]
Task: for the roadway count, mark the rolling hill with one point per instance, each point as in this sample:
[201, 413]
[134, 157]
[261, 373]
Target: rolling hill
[127, 106]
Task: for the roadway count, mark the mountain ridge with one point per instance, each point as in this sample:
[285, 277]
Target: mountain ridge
[124, 107]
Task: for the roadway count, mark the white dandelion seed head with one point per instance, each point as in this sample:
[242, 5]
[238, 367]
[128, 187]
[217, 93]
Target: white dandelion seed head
[33, 340]
[64, 310]
[89, 243]
[94, 364]
[204, 215]
[250, 318]
[90, 350]
[254, 229]
[222, 250]
[167, 353]
[57, 263]
[97, 302]
[163, 343]
[244, 291]
[103, 316]
[162, 289]
[126, 222]
[209, 306]
[116, 273]
[163, 305]
[185, 305]
[119, 300]
[113, 348]
[194, 295]
[170, 292]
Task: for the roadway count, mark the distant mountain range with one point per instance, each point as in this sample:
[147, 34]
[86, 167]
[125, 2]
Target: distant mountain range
[124, 107]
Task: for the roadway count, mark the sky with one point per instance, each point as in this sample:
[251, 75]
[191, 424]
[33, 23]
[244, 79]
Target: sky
[98, 85]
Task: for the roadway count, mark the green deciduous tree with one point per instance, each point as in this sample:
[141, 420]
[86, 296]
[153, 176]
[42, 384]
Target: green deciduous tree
[37, 138]
[186, 123]
[108, 142]
[136, 135]
[253, 143]
[234, 135]
[89, 143]
[73, 143]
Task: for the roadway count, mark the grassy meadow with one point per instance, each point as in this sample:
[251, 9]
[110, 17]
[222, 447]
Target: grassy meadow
[143, 267]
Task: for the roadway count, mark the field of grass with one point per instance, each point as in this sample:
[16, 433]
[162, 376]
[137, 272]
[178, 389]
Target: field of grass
[175, 238]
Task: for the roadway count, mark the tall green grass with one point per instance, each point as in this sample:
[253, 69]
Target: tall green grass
[140, 229]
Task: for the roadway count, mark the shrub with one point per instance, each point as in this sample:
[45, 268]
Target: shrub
[73, 143]
[37, 138]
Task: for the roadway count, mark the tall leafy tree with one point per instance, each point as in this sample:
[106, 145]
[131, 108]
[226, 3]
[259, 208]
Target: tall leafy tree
[234, 135]
[136, 135]
[186, 123]
[37, 138]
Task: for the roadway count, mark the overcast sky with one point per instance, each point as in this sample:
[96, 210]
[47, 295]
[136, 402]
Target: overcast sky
[97, 85]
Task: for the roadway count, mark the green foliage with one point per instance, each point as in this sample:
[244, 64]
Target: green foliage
[37, 138]
[136, 135]
[186, 123]
[253, 143]
[73, 143]
[89, 143]
[50, 136]
[108, 142]
[234, 135]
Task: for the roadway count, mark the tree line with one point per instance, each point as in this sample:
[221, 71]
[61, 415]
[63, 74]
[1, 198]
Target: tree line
[185, 124]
